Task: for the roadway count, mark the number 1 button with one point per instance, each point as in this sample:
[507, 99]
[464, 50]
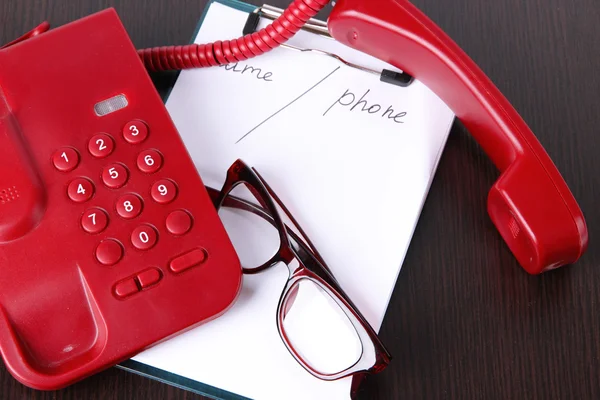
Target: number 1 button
[80, 190]
[65, 159]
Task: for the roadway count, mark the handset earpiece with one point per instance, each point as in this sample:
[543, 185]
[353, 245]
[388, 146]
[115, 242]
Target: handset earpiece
[22, 199]
[530, 204]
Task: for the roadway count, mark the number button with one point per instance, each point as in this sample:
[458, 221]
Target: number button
[149, 161]
[129, 206]
[144, 237]
[179, 222]
[109, 252]
[101, 145]
[80, 190]
[115, 176]
[65, 159]
[164, 191]
[94, 220]
[135, 131]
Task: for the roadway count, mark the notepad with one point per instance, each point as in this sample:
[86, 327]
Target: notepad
[351, 157]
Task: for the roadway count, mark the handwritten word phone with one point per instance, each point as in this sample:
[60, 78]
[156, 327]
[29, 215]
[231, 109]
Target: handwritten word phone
[109, 242]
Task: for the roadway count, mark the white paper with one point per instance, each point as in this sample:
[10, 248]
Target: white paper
[355, 177]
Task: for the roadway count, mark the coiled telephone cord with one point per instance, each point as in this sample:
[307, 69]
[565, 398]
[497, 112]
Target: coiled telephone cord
[231, 51]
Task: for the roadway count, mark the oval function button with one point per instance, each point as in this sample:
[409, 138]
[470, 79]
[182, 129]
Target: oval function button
[187, 260]
[126, 288]
[149, 277]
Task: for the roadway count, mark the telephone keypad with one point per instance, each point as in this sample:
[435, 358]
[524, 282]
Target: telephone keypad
[135, 131]
[65, 159]
[115, 176]
[101, 145]
[109, 252]
[144, 237]
[80, 190]
[164, 191]
[129, 206]
[94, 220]
[149, 161]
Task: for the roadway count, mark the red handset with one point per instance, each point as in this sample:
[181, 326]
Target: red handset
[530, 204]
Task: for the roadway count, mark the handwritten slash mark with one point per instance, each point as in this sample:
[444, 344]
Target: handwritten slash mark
[286, 106]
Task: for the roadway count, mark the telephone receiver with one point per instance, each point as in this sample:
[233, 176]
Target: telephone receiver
[530, 203]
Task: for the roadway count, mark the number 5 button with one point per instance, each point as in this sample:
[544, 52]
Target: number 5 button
[129, 206]
[164, 191]
[149, 161]
[114, 176]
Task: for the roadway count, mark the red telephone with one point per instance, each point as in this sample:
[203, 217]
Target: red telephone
[109, 241]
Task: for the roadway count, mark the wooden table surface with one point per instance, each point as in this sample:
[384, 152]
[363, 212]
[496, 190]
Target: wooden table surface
[465, 321]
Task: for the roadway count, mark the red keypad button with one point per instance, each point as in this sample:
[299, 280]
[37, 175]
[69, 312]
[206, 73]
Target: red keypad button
[80, 190]
[135, 131]
[144, 237]
[126, 288]
[149, 161]
[149, 277]
[65, 159]
[164, 191]
[109, 252]
[129, 206]
[94, 220]
[115, 176]
[179, 222]
[187, 260]
[101, 145]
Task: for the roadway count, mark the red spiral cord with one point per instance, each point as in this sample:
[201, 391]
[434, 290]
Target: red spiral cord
[232, 51]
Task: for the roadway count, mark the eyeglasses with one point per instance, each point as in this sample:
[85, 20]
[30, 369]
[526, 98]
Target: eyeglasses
[318, 323]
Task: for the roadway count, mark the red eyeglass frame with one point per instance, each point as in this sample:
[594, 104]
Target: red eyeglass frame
[310, 265]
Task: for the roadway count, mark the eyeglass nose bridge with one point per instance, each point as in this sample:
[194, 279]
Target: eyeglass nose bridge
[368, 356]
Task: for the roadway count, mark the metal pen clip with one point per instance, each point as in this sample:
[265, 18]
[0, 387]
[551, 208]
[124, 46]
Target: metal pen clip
[320, 28]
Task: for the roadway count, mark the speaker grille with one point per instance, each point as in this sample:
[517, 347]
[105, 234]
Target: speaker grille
[9, 194]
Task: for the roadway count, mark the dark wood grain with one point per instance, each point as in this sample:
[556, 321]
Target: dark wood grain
[465, 321]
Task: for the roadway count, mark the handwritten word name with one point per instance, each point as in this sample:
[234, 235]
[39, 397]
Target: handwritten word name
[348, 99]
[243, 69]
